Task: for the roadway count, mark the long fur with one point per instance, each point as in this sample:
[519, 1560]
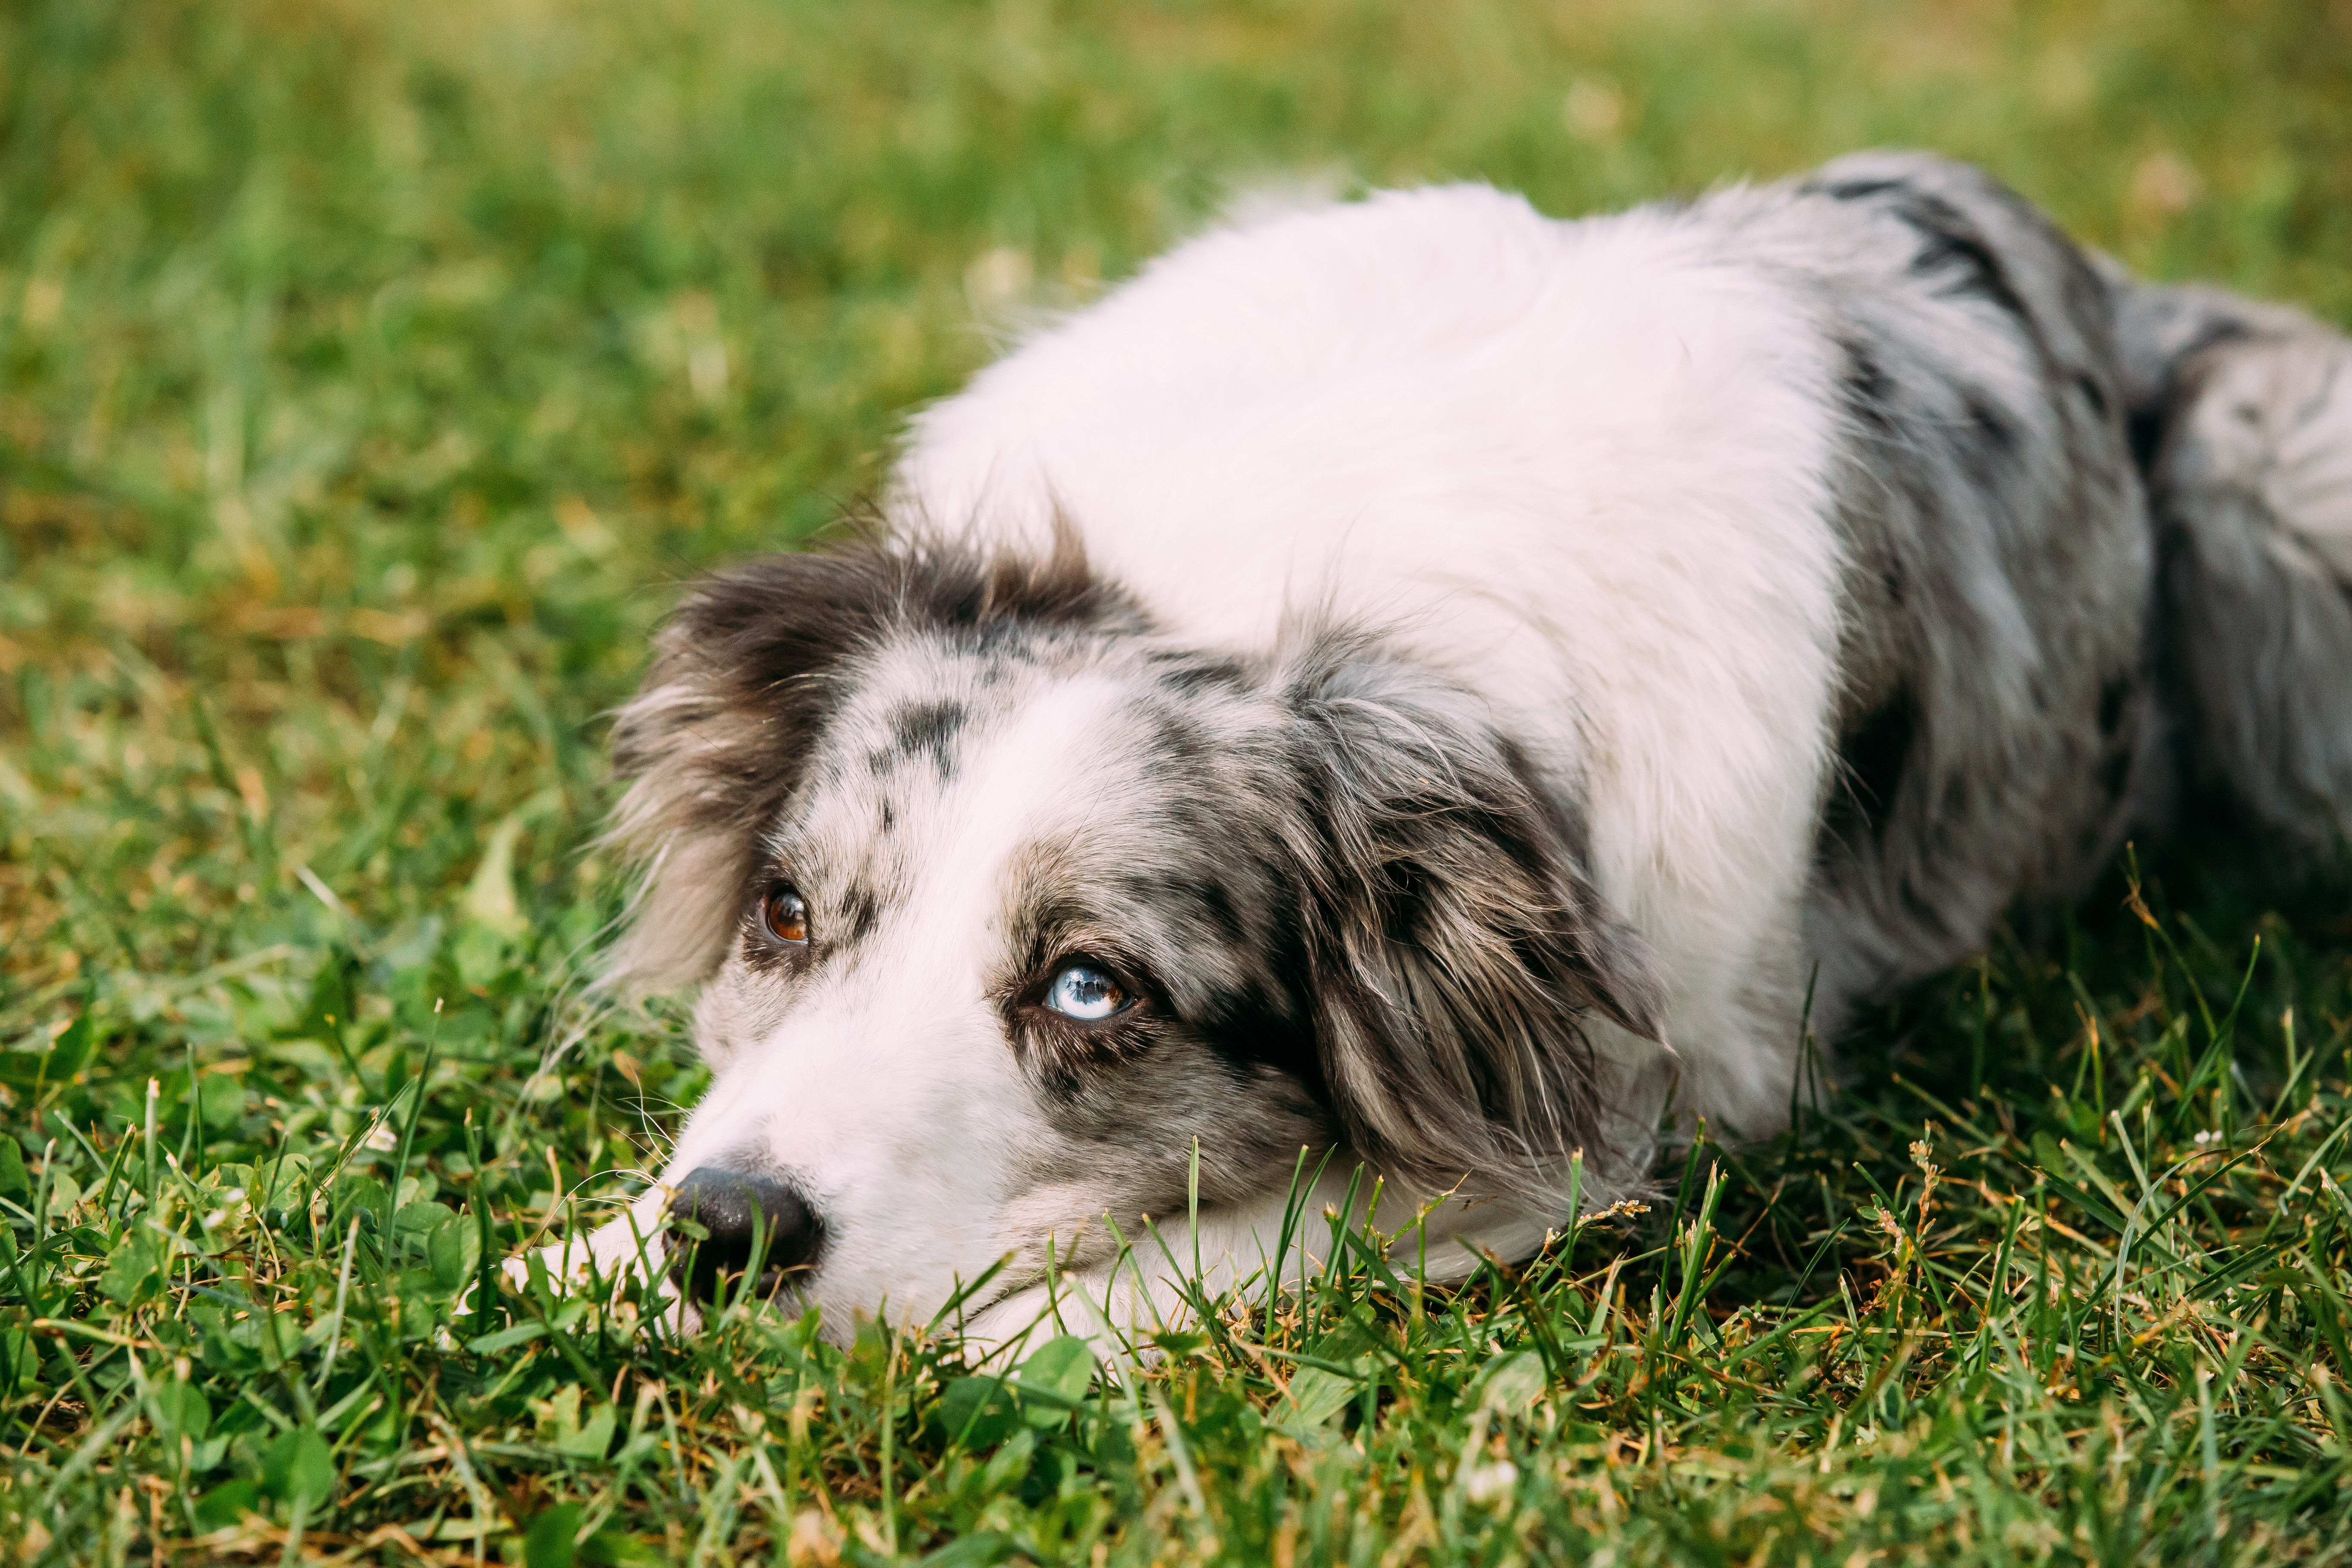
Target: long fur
[1470, 677]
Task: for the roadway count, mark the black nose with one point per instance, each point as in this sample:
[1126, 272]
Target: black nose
[737, 1210]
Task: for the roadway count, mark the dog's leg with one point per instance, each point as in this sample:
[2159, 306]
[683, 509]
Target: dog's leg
[2242, 417]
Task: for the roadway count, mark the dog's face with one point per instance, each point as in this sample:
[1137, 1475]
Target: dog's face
[1003, 906]
[998, 963]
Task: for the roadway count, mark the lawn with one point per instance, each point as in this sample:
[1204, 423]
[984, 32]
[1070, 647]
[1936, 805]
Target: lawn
[370, 376]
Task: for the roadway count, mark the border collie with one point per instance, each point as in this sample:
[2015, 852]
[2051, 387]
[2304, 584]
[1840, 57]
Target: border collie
[1444, 690]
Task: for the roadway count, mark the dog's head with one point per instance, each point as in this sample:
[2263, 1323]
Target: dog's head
[1000, 902]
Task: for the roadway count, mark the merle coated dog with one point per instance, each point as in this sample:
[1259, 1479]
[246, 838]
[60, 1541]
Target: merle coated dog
[1433, 686]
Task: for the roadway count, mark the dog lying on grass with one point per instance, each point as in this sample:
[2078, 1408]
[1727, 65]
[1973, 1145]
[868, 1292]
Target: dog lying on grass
[1443, 689]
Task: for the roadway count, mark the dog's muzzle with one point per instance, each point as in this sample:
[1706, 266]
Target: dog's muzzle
[741, 1212]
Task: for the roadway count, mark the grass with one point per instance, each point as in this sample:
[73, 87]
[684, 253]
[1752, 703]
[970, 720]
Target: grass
[369, 374]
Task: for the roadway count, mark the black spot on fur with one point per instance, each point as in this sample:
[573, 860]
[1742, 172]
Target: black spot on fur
[2112, 697]
[1184, 750]
[1854, 190]
[861, 911]
[1953, 252]
[1869, 393]
[930, 728]
[1188, 674]
[1218, 905]
[2144, 429]
[2152, 414]
[1266, 1020]
[1872, 755]
[2093, 393]
[1994, 433]
[1950, 246]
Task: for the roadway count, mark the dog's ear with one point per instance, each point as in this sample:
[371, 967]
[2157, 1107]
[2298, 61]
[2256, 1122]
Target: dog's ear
[746, 674]
[1457, 941]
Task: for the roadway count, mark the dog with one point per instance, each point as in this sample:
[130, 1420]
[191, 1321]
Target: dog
[1416, 687]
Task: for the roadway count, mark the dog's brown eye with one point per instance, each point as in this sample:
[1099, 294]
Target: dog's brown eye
[784, 916]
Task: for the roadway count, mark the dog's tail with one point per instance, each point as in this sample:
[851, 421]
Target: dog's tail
[2241, 417]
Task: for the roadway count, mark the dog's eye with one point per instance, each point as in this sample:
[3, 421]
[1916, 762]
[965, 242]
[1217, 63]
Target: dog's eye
[784, 916]
[1084, 992]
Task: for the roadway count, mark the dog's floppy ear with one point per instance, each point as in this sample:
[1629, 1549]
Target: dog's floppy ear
[714, 742]
[746, 674]
[1457, 942]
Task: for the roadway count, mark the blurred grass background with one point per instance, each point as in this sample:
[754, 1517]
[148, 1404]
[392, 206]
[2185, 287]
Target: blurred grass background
[368, 373]
[371, 374]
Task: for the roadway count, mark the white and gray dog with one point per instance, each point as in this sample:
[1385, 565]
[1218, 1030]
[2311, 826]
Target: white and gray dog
[1438, 687]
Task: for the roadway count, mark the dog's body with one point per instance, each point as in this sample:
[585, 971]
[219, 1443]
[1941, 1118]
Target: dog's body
[1423, 681]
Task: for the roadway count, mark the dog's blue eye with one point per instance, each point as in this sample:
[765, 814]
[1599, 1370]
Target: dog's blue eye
[1084, 992]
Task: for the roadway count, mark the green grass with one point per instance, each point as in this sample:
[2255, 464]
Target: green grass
[368, 378]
